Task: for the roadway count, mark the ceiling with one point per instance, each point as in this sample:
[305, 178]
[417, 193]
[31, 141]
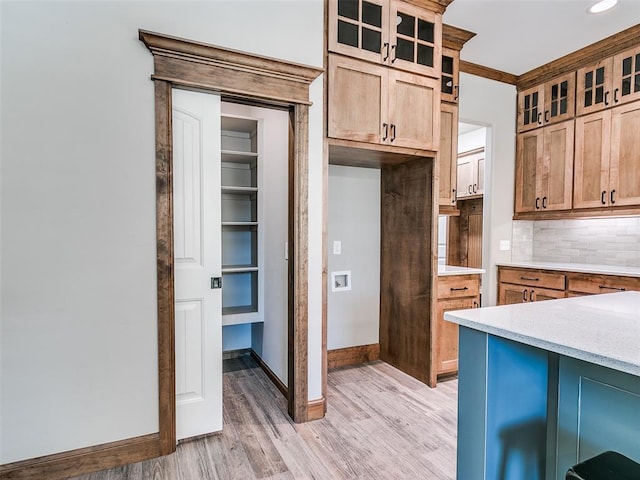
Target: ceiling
[516, 36]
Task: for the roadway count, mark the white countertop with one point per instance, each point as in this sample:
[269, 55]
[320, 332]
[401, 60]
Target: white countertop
[600, 329]
[577, 267]
[447, 270]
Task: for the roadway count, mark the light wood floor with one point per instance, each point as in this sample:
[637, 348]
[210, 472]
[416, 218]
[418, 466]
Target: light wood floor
[380, 424]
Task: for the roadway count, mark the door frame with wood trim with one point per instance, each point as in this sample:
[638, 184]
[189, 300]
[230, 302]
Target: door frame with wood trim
[232, 74]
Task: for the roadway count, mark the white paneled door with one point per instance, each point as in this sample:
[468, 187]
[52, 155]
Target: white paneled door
[197, 258]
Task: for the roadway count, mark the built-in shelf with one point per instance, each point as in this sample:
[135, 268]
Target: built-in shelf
[240, 215]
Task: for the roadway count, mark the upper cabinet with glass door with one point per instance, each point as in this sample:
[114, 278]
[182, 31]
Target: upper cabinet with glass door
[550, 102]
[387, 32]
[626, 76]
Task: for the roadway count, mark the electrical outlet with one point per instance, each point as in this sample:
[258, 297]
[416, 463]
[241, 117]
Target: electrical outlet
[505, 245]
[337, 247]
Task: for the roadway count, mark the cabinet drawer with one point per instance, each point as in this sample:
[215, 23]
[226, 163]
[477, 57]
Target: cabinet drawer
[601, 283]
[458, 286]
[533, 278]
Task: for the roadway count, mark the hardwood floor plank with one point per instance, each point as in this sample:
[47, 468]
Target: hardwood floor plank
[380, 424]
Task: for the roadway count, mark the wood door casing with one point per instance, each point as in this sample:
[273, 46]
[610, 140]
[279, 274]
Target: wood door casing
[592, 155]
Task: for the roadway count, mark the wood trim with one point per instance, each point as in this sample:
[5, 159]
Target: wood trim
[298, 268]
[610, 212]
[272, 376]
[369, 155]
[250, 77]
[231, 354]
[317, 409]
[325, 204]
[471, 152]
[164, 265]
[454, 37]
[573, 61]
[84, 460]
[185, 62]
[342, 357]
[487, 72]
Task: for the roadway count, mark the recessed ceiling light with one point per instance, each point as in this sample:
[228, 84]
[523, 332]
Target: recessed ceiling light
[602, 6]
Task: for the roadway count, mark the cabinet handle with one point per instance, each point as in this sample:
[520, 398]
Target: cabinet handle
[537, 203]
[613, 200]
[476, 304]
[544, 202]
[393, 132]
[393, 51]
[530, 279]
[619, 289]
[603, 197]
[386, 55]
[386, 131]
[454, 197]
[456, 92]
[546, 116]
[606, 99]
[531, 295]
[615, 95]
[524, 295]
[475, 189]
[459, 289]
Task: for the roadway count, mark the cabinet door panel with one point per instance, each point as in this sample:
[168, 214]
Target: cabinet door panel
[414, 110]
[511, 294]
[447, 334]
[541, 294]
[592, 152]
[466, 176]
[557, 170]
[357, 100]
[531, 108]
[447, 154]
[359, 28]
[416, 39]
[625, 155]
[528, 161]
[479, 190]
[594, 85]
[449, 89]
[626, 76]
[559, 98]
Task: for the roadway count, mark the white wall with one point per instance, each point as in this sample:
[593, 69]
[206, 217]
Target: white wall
[78, 319]
[353, 316]
[472, 140]
[491, 103]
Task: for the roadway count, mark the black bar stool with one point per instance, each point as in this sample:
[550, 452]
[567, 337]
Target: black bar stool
[606, 466]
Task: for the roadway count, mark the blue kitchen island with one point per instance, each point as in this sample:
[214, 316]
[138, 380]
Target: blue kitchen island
[543, 386]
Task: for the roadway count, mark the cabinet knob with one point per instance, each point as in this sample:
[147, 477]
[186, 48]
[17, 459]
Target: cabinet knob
[615, 95]
[524, 295]
[456, 92]
[613, 200]
[393, 53]
[546, 116]
[537, 203]
[540, 118]
[393, 132]
[544, 202]
[470, 189]
[531, 295]
[475, 188]
[386, 55]
[606, 99]
[386, 131]
[603, 197]
[453, 196]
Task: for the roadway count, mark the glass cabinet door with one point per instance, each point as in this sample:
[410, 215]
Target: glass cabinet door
[559, 98]
[594, 87]
[449, 79]
[359, 28]
[416, 39]
[531, 108]
[626, 76]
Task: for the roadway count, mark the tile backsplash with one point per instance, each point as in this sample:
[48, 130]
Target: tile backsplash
[602, 241]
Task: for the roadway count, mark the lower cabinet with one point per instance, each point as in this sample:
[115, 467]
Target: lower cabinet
[520, 285]
[456, 292]
[524, 285]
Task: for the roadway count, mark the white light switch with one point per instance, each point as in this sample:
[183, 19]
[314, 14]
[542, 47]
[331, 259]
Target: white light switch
[337, 247]
[505, 245]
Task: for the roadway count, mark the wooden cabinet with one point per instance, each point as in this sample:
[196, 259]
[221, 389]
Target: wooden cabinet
[592, 284]
[547, 103]
[544, 168]
[454, 293]
[594, 85]
[470, 174]
[387, 32]
[607, 164]
[517, 285]
[450, 77]
[626, 76]
[374, 104]
[447, 155]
